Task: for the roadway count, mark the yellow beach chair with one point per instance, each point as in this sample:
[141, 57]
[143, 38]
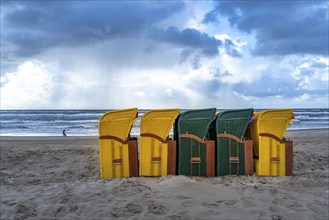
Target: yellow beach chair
[273, 155]
[157, 153]
[117, 152]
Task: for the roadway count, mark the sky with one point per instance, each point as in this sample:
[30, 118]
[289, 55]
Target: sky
[164, 54]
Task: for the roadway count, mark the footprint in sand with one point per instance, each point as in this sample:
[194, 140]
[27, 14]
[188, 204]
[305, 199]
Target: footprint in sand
[297, 204]
[276, 217]
[181, 216]
[73, 208]
[24, 212]
[134, 208]
[60, 209]
[174, 217]
[9, 203]
[210, 205]
[183, 197]
[187, 204]
[274, 208]
[248, 202]
[227, 202]
[156, 208]
[315, 208]
[230, 202]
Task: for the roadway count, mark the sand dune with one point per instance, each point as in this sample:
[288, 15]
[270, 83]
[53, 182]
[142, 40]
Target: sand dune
[58, 177]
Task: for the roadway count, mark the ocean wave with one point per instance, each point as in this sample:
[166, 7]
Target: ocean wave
[85, 122]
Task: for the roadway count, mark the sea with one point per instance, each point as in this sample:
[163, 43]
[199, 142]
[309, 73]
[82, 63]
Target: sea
[85, 122]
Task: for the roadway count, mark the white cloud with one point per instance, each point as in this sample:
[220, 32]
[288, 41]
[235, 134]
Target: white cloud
[28, 87]
[138, 70]
[313, 74]
[169, 91]
[140, 94]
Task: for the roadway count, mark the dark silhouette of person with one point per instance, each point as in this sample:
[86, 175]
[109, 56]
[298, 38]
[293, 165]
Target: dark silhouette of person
[64, 132]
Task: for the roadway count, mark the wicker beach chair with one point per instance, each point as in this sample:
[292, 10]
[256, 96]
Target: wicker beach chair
[234, 155]
[273, 154]
[157, 152]
[118, 153]
[196, 155]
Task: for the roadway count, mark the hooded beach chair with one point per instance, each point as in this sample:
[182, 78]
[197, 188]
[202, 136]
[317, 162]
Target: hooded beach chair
[196, 156]
[157, 152]
[234, 155]
[273, 154]
[117, 152]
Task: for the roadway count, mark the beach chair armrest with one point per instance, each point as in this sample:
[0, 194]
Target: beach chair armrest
[113, 138]
[272, 136]
[153, 136]
[192, 136]
[230, 136]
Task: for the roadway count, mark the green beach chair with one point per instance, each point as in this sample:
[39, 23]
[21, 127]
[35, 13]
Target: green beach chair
[234, 155]
[196, 156]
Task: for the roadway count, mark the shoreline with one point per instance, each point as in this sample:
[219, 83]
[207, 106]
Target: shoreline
[96, 136]
[58, 177]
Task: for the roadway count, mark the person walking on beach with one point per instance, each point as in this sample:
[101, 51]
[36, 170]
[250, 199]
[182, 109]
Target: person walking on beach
[64, 132]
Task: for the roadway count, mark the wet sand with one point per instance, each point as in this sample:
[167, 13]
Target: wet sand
[58, 177]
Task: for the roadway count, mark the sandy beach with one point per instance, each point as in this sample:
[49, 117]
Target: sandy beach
[58, 177]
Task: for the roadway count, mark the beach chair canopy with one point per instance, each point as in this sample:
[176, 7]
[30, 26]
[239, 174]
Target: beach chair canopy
[195, 122]
[158, 122]
[117, 123]
[273, 122]
[233, 122]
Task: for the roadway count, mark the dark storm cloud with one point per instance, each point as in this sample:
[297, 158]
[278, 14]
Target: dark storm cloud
[195, 44]
[31, 27]
[280, 27]
[190, 38]
[192, 57]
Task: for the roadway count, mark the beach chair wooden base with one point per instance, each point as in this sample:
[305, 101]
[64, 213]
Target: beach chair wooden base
[199, 165]
[118, 159]
[133, 157]
[248, 158]
[160, 161]
[279, 165]
[289, 158]
[171, 169]
[244, 156]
